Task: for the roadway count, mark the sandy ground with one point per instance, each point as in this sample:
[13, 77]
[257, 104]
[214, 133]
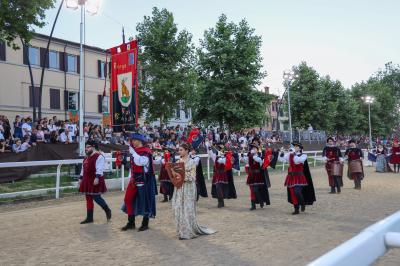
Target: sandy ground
[49, 233]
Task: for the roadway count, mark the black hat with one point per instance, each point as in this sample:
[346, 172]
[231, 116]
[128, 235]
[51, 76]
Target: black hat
[298, 144]
[352, 141]
[92, 143]
[330, 138]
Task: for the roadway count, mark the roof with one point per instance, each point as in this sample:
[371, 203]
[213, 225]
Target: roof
[58, 40]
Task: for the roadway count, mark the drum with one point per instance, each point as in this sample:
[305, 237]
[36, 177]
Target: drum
[355, 167]
[176, 172]
[337, 169]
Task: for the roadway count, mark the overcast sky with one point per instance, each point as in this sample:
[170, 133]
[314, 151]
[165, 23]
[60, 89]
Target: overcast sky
[346, 39]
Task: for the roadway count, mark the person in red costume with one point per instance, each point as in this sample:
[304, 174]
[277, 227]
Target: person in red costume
[91, 181]
[395, 156]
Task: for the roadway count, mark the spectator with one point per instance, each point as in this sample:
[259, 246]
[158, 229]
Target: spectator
[39, 133]
[65, 137]
[26, 127]
[108, 132]
[4, 147]
[33, 138]
[19, 147]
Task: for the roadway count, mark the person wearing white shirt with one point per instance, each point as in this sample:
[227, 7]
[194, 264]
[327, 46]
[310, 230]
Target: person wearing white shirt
[299, 184]
[91, 181]
[26, 129]
[140, 195]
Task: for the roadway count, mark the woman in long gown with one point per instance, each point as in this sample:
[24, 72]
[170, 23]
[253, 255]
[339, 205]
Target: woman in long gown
[184, 200]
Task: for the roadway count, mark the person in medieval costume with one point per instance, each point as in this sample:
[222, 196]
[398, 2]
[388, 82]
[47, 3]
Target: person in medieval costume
[331, 154]
[255, 178]
[166, 186]
[220, 188]
[200, 181]
[354, 153]
[140, 195]
[381, 162]
[184, 200]
[229, 172]
[91, 181]
[300, 188]
[395, 156]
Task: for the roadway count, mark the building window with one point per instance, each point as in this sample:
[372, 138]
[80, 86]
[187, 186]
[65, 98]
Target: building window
[34, 56]
[54, 99]
[106, 104]
[72, 63]
[36, 92]
[53, 60]
[73, 98]
[102, 68]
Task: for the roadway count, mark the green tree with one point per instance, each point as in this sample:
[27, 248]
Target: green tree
[230, 69]
[18, 17]
[167, 61]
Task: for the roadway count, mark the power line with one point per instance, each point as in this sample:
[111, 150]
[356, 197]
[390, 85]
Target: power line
[117, 22]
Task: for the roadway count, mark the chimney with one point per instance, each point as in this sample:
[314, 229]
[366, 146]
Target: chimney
[266, 90]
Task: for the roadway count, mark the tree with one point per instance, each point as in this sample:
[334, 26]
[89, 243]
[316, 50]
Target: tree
[167, 61]
[18, 17]
[229, 70]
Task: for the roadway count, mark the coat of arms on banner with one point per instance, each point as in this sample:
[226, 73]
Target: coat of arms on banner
[125, 88]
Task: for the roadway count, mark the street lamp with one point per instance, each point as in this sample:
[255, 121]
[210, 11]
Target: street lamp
[289, 76]
[92, 7]
[369, 100]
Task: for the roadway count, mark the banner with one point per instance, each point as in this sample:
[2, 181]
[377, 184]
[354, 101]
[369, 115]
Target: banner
[124, 87]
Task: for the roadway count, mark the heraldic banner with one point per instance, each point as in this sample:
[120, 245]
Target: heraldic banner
[124, 87]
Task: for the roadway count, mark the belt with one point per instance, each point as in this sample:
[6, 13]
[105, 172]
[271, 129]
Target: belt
[296, 173]
[255, 171]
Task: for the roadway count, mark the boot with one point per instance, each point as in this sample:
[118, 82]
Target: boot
[89, 217]
[296, 210]
[303, 208]
[108, 212]
[333, 191]
[145, 224]
[253, 205]
[262, 205]
[338, 190]
[165, 198]
[131, 223]
[220, 203]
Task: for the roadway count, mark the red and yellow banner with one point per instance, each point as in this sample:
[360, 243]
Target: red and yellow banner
[124, 87]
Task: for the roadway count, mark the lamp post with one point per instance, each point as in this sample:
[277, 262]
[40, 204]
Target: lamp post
[288, 76]
[92, 8]
[369, 100]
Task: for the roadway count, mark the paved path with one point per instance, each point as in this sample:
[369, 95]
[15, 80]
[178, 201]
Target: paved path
[49, 233]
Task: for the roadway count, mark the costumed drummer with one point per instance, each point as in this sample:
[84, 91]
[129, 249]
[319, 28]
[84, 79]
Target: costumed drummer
[354, 156]
[333, 158]
[140, 195]
[91, 181]
[300, 188]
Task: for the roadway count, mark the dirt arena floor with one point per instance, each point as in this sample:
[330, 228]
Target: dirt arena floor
[49, 233]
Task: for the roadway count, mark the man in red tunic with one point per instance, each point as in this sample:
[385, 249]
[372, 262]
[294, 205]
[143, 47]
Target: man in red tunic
[395, 156]
[332, 154]
[166, 186]
[91, 181]
[355, 153]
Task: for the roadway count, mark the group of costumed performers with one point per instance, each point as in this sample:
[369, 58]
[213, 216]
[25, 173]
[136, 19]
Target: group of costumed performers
[395, 156]
[383, 158]
[300, 188]
[333, 165]
[223, 186]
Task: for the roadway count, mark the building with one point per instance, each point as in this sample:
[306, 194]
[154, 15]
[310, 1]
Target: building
[60, 92]
[276, 118]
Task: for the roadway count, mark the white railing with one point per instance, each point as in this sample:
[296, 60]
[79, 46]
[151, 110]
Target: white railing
[366, 247]
[316, 155]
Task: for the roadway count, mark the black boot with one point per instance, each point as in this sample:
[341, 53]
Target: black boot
[108, 212]
[262, 205]
[333, 191]
[131, 223]
[220, 203]
[145, 224]
[253, 205]
[165, 198]
[296, 210]
[89, 217]
[338, 190]
[303, 208]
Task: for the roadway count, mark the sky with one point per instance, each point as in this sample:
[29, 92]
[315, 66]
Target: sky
[349, 40]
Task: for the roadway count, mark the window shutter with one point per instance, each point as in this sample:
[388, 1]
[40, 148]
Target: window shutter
[3, 51]
[99, 68]
[25, 54]
[105, 70]
[78, 64]
[61, 56]
[65, 100]
[54, 99]
[100, 103]
[109, 69]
